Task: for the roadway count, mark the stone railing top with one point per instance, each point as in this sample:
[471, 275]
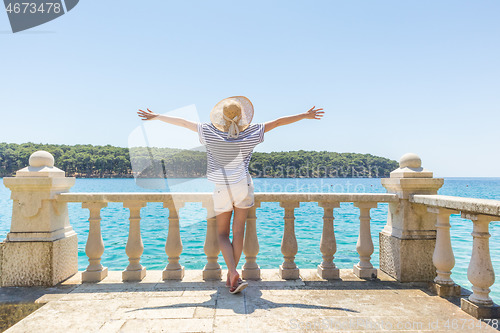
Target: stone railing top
[468, 205]
[205, 196]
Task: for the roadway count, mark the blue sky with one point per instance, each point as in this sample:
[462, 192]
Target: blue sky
[393, 76]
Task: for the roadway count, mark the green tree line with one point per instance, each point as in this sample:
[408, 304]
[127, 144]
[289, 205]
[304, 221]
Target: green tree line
[90, 161]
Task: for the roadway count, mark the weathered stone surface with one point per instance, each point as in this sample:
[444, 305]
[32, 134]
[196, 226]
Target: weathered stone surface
[39, 263]
[94, 276]
[480, 312]
[370, 273]
[389, 255]
[14, 312]
[445, 290]
[131, 276]
[469, 205]
[328, 273]
[172, 325]
[349, 304]
[64, 258]
[407, 259]
[289, 273]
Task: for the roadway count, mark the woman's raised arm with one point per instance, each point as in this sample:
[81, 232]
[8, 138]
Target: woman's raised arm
[312, 113]
[150, 115]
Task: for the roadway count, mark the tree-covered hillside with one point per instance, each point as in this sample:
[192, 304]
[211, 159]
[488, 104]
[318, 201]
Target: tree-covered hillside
[108, 161]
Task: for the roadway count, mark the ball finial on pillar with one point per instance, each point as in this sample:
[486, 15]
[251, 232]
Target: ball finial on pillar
[410, 166]
[41, 158]
[41, 165]
[410, 160]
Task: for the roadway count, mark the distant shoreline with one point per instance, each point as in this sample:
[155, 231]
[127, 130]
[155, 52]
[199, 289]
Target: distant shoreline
[253, 177]
[87, 161]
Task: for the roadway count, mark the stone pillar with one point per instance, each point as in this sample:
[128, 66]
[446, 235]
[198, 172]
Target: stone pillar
[480, 272]
[94, 249]
[173, 247]
[364, 268]
[134, 248]
[288, 269]
[443, 257]
[407, 241]
[41, 248]
[328, 245]
[212, 270]
[251, 270]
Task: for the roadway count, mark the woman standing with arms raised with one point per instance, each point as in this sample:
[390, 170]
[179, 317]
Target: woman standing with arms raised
[230, 139]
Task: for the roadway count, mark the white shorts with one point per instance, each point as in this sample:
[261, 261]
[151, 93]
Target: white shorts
[239, 195]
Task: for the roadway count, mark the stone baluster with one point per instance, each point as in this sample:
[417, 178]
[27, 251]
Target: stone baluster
[251, 270]
[364, 269]
[443, 257]
[328, 245]
[94, 248]
[173, 247]
[134, 271]
[289, 270]
[480, 272]
[212, 270]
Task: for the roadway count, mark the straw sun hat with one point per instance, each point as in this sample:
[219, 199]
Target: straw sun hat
[232, 115]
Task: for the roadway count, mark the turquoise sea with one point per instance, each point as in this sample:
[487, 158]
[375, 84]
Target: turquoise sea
[308, 224]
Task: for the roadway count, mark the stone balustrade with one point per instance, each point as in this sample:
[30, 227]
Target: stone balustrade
[480, 272]
[212, 270]
[415, 244]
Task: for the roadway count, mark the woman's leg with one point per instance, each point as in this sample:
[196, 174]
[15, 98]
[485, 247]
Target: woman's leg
[223, 226]
[240, 217]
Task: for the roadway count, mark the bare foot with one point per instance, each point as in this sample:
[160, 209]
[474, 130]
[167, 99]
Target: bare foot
[237, 285]
[228, 281]
[234, 281]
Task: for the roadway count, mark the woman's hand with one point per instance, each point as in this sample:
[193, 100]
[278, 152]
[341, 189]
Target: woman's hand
[313, 113]
[149, 115]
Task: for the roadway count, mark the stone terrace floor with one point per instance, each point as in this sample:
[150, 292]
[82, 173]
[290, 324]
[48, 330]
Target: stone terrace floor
[270, 305]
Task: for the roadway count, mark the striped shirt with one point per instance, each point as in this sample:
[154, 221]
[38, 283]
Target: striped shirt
[228, 158]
